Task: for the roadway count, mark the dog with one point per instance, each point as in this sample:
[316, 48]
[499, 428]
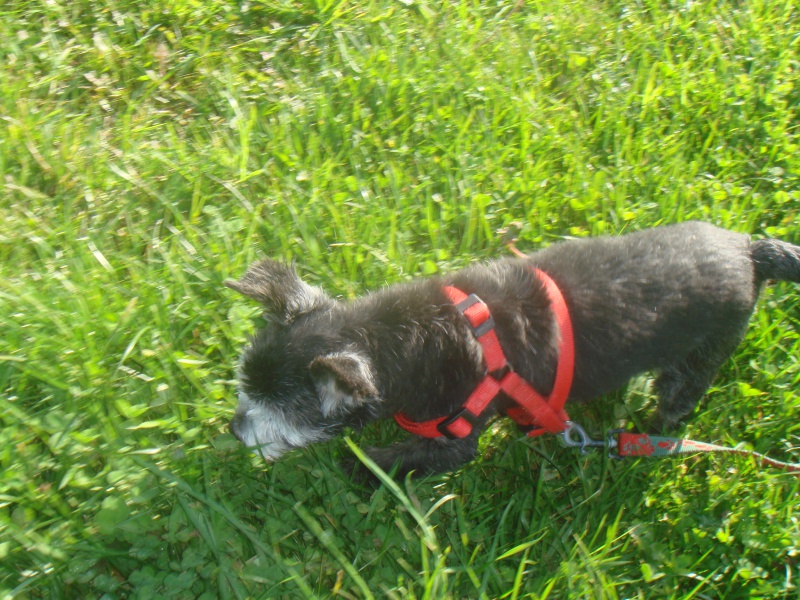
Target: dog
[674, 300]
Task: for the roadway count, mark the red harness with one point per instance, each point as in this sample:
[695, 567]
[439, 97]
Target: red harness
[534, 413]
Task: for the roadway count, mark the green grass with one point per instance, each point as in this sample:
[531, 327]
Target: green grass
[149, 150]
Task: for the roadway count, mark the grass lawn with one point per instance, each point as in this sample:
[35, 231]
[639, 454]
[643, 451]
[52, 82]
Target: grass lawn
[149, 150]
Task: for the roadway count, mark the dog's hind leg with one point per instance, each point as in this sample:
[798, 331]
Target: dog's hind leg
[681, 385]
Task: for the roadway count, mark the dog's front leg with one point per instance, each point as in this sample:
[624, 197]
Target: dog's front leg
[425, 456]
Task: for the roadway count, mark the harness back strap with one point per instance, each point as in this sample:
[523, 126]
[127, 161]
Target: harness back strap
[535, 413]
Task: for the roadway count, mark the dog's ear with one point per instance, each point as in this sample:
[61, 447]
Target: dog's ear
[343, 380]
[277, 286]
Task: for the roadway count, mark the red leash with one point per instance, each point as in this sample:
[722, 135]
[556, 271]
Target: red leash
[642, 444]
[630, 444]
[535, 413]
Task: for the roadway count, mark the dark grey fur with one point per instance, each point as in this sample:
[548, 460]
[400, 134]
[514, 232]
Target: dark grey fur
[674, 300]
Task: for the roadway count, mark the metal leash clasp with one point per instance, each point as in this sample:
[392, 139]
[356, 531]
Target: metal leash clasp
[575, 436]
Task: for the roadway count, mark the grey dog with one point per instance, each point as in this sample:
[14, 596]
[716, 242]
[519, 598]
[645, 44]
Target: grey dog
[674, 300]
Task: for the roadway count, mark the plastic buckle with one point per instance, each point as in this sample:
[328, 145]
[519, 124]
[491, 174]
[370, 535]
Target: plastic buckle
[481, 328]
[461, 413]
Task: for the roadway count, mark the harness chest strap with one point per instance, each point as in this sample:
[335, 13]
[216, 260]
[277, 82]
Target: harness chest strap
[534, 412]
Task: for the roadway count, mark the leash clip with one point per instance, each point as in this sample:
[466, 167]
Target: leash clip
[583, 441]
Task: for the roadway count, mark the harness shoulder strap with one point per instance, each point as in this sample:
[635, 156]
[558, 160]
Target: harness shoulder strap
[530, 414]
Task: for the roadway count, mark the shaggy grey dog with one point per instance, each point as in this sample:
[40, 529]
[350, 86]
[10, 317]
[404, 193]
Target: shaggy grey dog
[674, 300]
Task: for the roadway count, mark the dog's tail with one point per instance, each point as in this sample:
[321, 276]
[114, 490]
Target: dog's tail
[774, 259]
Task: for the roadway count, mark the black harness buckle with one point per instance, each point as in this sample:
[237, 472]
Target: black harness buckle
[461, 413]
[482, 328]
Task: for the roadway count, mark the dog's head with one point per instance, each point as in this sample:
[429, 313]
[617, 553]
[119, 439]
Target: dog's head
[300, 379]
